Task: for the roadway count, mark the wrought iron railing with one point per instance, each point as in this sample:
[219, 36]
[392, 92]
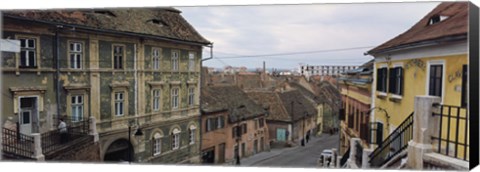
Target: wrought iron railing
[453, 133]
[52, 140]
[394, 144]
[17, 144]
[345, 157]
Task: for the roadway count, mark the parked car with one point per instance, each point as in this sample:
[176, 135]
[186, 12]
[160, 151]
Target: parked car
[327, 155]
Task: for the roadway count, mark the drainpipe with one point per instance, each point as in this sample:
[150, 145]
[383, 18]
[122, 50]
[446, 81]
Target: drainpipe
[135, 83]
[200, 100]
[57, 68]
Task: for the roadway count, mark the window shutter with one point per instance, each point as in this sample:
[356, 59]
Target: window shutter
[379, 79]
[464, 86]
[391, 80]
[400, 69]
[379, 134]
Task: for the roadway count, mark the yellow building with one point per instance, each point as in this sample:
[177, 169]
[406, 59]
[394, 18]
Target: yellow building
[428, 59]
[355, 88]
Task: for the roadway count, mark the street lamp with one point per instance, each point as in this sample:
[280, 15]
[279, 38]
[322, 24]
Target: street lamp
[138, 132]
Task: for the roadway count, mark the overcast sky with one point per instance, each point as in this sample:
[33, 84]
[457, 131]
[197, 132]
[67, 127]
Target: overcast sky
[276, 29]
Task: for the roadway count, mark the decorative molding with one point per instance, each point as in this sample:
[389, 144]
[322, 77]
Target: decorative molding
[156, 83]
[77, 86]
[120, 84]
[24, 89]
[175, 82]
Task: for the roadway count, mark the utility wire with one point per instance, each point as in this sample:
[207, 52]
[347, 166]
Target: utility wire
[295, 53]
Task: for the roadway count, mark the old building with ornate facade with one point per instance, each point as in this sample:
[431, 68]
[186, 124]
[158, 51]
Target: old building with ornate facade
[134, 71]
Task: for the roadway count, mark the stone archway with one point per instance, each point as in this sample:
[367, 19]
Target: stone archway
[120, 150]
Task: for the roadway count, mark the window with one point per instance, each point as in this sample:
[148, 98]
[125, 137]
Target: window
[157, 144]
[464, 101]
[435, 80]
[208, 125]
[191, 96]
[119, 101]
[220, 122]
[191, 61]
[174, 61]
[156, 100]
[76, 54]
[235, 132]
[118, 53]
[396, 81]
[244, 128]
[174, 98]
[77, 107]
[175, 139]
[28, 53]
[191, 135]
[382, 79]
[156, 58]
[261, 122]
[243, 149]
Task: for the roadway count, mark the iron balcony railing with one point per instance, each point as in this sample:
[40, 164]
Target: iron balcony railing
[17, 144]
[345, 157]
[394, 144]
[51, 141]
[453, 133]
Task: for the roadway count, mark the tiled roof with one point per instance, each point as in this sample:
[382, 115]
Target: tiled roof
[455, 25]
[232, 99]
[270, 99]
[300, 105]
[157, 22]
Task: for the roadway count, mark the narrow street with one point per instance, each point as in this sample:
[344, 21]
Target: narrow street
[298, 156]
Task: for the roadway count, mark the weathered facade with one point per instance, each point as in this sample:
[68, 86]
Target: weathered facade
[356, 97]
[232, 124]
[141, 75]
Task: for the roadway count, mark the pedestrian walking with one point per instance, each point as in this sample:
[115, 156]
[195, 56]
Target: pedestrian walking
[62, 127]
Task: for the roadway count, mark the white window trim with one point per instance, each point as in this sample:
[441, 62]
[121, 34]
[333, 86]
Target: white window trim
[193, 131]
[175, 60]
[82, 105]
[157, 137]
[191, 100]
[191, 61]
[176, 138]
[427, 76]
[175, 106]
[158, 106]
[81, 53]
[124, 52]
[399, 64]
[157, 58]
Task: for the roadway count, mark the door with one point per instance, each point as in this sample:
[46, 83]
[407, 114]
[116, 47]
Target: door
[28, 116]
[262, 144]
[255, 146]
[221, 153]
[281, 134]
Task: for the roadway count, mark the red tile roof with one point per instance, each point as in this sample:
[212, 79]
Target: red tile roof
[455, 26]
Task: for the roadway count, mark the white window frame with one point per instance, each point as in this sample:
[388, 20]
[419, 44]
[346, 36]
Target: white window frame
[175, 60]
[76, 53]
[119, 101]
[175, 139]
[192, 134]
[191, 61]
[174, 93]
[157, 144]
[156, 58]
[427, 77]
[395, 65]
[77, 106]
[191, 96]
[116, 55]
[156, 94]
[27, 49]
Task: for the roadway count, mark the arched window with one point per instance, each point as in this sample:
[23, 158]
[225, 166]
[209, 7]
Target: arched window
[157, 144]
[191, 133]
[175, 136]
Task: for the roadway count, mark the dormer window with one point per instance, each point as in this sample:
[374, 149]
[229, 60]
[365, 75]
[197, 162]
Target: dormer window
[157, 22]
[436, 19]
[105, 12]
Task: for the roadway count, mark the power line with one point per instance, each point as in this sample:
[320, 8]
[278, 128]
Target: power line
[295, 53]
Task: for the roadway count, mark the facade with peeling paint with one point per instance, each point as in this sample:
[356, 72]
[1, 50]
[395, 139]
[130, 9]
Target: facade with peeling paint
[143, 75]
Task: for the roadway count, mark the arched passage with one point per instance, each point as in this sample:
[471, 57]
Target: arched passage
[120, 150]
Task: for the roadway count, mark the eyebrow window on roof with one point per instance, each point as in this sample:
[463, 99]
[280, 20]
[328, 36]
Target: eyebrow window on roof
[436, 18]
[157, 22]
[104, 12]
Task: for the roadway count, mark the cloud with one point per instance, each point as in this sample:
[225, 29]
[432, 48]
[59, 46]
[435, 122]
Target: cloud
[270, 29]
